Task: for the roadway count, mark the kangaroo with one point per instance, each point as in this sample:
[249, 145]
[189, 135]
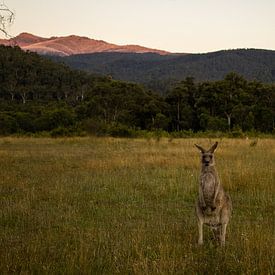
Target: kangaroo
[214, 206]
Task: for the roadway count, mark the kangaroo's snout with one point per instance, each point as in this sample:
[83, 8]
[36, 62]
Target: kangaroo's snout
[207, 159]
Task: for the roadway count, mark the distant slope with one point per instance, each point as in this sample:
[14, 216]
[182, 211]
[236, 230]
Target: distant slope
[70, 45]
[159, 72]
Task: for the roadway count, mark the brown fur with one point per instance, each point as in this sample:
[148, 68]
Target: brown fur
[214, 206]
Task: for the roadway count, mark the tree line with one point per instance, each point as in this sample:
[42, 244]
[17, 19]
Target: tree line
[38, 95]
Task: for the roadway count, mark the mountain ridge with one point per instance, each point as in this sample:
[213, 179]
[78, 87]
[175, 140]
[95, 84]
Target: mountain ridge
[71, 45]
[161, 72]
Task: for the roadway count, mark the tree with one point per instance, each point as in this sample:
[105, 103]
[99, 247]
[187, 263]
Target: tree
[182, 103]
[233, 90]
[206, 105]
[6, 18]
[264, 107]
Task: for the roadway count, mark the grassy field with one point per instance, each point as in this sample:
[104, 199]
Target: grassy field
[126, 206]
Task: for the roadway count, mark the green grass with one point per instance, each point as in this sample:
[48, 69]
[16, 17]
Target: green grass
[107, 206]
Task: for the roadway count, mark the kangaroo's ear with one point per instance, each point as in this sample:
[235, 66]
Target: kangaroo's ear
[213, 148]
[200, 148]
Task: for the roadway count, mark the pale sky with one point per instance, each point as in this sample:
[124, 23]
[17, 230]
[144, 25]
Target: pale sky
[189, 26]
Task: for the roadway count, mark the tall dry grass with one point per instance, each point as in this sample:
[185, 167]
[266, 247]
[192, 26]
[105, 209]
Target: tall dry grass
[106, 206]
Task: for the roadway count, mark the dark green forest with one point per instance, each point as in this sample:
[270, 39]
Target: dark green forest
[42, 96]
[162, 72]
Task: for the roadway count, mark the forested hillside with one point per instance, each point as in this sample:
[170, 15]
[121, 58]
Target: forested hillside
[38, 95]
[161, 72]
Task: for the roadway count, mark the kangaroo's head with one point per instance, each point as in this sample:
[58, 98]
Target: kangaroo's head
[207, 158]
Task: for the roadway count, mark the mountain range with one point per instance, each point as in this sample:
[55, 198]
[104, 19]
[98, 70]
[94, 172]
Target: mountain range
[156, 69]
[71, 45]
[161, 72]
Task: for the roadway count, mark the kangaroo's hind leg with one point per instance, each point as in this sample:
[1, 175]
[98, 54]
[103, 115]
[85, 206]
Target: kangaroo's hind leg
[200, 227]
[223, 233]
[200, 223]
[216, 230]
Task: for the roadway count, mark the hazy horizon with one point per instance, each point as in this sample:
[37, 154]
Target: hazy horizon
[173, 25]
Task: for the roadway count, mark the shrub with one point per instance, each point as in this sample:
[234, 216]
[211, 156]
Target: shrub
[25, 122]
[120, 130]
[8, 124]
[60, 132]
[94, 126]
[54, 119]
[237, 132]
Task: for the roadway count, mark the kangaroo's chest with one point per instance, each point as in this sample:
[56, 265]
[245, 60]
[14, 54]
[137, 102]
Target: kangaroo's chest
[208, 184]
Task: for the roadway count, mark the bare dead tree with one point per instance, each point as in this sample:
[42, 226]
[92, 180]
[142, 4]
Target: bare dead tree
[6, 18]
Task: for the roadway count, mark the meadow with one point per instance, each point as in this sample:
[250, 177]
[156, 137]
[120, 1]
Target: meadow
[126, 206]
